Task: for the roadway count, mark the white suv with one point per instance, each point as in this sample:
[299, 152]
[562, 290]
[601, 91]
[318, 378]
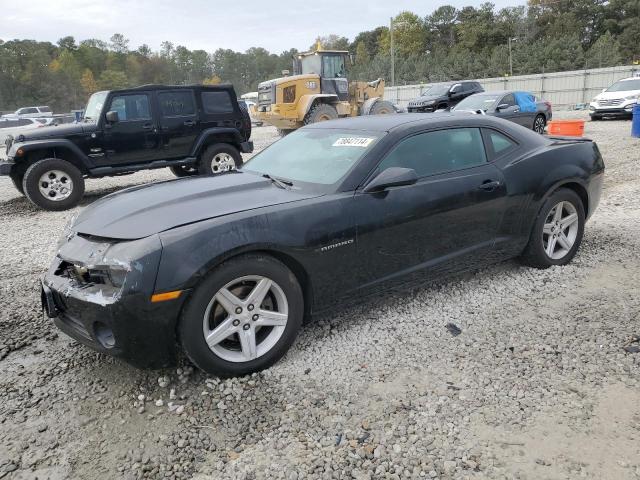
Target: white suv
[617, 100]
[30, 112]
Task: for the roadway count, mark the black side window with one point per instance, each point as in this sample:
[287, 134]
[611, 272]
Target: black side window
[31, 110]
[45, 109]
[178, 103]
[500, 143]
[24, 122]
[438, 152]
[468, 87]
[8, 123]
[131, 108]
[216, 102]
[509, 100]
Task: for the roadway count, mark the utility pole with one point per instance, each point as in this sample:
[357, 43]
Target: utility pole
[510, 56]
[393, 59]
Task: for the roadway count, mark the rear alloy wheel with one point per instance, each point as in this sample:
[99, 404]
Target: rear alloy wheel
[53, 184]
[558, 231]
[243, 317]
[539, 124]
[219, 158]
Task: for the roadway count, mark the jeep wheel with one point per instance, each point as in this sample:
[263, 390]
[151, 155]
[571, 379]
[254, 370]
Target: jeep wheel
[219, 158]
[53, 184]
[184, 171]
[321, 113]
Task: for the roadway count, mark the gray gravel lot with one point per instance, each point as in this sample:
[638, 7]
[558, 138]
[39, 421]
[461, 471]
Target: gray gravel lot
[537, 385]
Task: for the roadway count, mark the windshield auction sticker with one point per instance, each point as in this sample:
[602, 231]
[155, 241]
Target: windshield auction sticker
[362, 142]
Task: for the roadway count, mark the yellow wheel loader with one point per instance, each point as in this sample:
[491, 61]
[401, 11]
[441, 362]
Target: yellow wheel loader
[318, 91]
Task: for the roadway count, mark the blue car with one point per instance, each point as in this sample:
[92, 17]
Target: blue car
[523, 108]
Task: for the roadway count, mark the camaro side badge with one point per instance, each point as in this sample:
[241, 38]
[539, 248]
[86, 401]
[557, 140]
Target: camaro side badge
[326, 248]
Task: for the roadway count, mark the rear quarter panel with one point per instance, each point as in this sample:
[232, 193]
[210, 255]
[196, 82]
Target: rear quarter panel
[533, 177]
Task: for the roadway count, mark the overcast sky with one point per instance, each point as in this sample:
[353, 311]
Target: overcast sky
[209, 25]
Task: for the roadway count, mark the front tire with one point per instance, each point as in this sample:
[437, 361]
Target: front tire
[539, 124]
[321, 113]
[219, 158]
[243, 317]
[53, 184]
[558, 230]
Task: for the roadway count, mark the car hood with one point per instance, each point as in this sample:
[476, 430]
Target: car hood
[144, 210]
[425, 98]
[615, 95]
[64, 130]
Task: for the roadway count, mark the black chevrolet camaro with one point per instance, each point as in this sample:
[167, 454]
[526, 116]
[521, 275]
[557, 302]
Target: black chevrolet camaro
[226, 267]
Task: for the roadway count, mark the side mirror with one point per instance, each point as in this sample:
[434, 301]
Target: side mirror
[502, 106]
[112, 117]
[603, 90]
[392, 177]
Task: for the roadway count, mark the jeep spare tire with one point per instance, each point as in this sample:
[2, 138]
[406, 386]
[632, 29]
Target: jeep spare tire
[53, 184]
[219, 158]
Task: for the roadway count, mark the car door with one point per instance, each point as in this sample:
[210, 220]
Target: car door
[333, 79]
[508, 109]
[445, 222]
[178, 121]
[133, 138]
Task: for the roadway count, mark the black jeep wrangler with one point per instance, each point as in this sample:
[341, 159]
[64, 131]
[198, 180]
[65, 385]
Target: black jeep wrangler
[190, 129]
[443, 96]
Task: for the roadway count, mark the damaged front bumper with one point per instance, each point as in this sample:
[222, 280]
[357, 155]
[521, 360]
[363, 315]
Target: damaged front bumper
[99, 292]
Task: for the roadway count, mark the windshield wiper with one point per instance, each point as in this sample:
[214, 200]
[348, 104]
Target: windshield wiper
[278, 181]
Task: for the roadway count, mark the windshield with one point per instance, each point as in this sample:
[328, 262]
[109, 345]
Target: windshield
[94, 106]
[477, 102]
[315, 156]
[624, 86]
[438, 90]
[311, 64]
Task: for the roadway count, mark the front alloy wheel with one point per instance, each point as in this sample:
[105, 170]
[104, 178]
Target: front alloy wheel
[243, 316]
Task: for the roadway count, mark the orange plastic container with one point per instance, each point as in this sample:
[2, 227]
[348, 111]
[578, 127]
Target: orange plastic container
[569, 128]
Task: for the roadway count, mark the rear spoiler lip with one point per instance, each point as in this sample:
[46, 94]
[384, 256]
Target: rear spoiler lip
[560, 139]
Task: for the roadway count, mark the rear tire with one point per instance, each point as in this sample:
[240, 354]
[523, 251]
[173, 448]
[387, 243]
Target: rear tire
[181, 171]
[539, 124]
[321, 113]
[204, 315]
[552, 233]
[219, 158]
[382, 107]
[53, 184]
[595, 118]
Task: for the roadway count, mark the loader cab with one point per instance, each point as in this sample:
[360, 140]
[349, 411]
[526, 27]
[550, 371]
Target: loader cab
[330, 66]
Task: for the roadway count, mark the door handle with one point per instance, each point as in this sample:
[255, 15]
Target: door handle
[147, 126]
[489, 185]
[189, 123]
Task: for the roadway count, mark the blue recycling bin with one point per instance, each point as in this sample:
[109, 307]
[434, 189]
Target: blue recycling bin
[635, 123]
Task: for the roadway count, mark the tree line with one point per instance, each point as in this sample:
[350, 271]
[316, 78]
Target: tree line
[448, 44]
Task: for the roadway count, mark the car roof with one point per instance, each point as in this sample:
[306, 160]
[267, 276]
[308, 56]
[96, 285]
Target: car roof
[387, 123]
[502, 92]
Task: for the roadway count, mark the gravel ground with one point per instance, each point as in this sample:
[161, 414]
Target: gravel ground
[537, 385]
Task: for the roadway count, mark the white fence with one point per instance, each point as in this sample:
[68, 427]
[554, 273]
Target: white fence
[562, 89]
